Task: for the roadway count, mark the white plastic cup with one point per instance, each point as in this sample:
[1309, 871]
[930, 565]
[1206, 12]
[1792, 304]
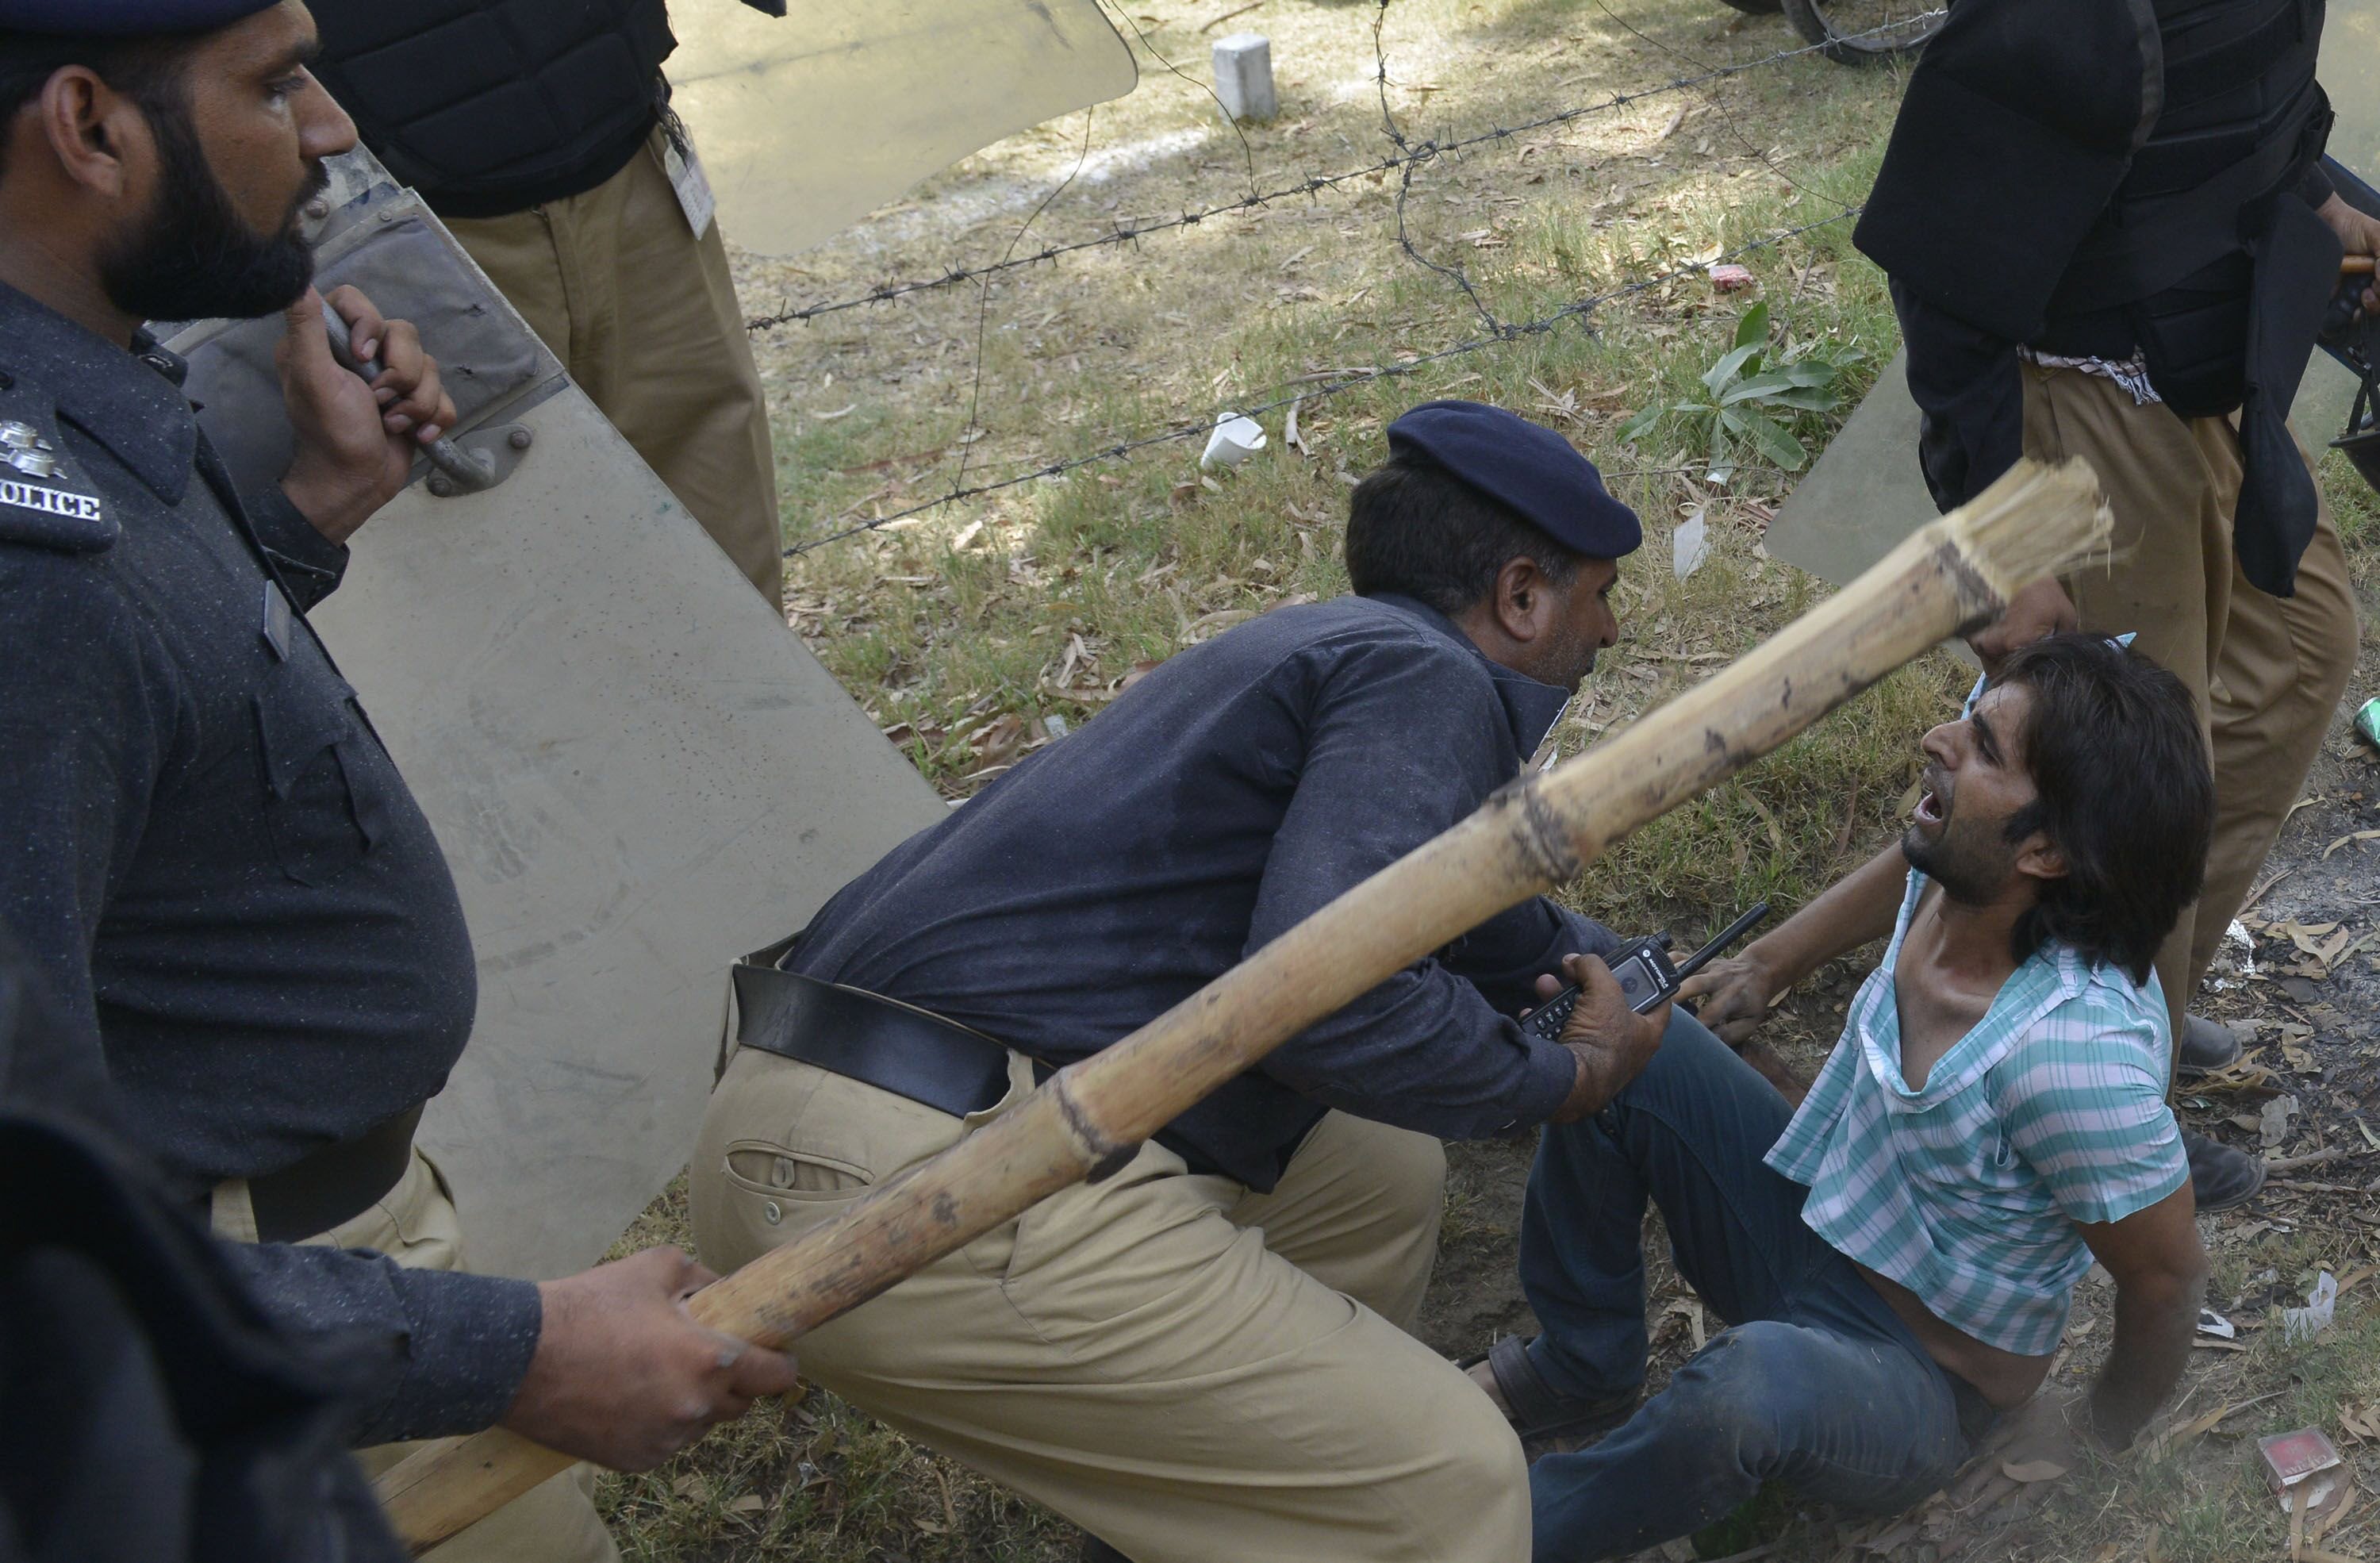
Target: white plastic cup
[1234, 440]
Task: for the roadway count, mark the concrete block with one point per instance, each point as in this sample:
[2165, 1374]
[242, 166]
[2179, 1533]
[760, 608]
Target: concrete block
[1244, 76]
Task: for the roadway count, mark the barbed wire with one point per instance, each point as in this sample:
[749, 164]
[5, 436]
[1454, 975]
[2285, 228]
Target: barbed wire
[983, 303]
[1501, 334]
[1415, 153]
[1388, 127]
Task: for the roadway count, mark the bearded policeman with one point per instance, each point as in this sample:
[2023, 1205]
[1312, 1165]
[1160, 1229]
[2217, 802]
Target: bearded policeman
[202, 842]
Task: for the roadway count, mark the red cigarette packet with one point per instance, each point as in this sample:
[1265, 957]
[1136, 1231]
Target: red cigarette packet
[2305, 1458]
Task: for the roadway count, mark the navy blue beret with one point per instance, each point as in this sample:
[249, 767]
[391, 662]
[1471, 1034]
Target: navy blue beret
[124, 18]
[1532, 469]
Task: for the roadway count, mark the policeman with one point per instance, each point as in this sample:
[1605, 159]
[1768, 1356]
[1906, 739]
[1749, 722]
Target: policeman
[1205, 1355]
[202, 842]
[2118, 244]
[131, 1355]
[539, 130]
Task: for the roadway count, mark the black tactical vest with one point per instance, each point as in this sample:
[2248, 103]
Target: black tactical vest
[2169, 264]
[2096, 176]
[489, 106]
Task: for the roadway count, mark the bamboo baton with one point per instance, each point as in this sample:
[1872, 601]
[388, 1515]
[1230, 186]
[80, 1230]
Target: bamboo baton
[1953, 576]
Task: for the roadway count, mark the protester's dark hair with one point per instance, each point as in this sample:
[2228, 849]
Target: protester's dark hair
[1413, 527]
[2113, 745]
[147, 70]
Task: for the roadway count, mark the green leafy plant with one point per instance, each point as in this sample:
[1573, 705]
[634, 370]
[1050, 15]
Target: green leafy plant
[1752, 402]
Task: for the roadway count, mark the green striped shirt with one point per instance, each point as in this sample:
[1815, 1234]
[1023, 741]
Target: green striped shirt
[2051, 1112]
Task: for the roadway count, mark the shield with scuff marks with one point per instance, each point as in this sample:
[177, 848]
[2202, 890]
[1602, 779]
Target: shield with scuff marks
[636, 770]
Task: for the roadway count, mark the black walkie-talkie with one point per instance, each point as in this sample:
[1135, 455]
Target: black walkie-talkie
[1643, 969]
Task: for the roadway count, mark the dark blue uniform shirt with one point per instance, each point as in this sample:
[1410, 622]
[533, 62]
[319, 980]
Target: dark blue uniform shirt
[206, 852]
[1240, 787]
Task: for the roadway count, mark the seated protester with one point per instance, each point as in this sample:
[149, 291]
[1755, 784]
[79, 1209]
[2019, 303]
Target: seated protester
[1204, 1356]
[1898, 1266]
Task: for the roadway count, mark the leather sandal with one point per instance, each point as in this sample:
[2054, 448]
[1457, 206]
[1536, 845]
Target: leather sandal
[1536, 1410]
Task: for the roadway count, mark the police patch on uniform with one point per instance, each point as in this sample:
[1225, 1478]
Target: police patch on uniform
[23, 449]
[40, 501]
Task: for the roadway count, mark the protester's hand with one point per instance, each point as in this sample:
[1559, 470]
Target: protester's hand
[623, 1374]
[2361, 235]
[1610, 1042]
[1731, 996]
[354, 442]
[2038, 610]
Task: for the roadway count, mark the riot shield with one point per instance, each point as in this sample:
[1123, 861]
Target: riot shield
[807, 124]
[636, 770]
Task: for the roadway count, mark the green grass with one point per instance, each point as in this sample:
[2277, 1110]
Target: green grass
[969, 615]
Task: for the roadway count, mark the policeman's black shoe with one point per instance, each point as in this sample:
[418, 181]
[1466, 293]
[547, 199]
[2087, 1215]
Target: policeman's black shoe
[2207, 1046]
[2220, 1177]
[1536, 1410]
[1097, 1551]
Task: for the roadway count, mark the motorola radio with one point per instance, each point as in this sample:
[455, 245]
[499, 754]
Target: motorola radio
[1645, 973]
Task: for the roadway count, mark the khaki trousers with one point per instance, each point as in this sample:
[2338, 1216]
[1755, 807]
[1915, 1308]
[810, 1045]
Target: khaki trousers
[645, 316]
[416, 1226]
[2266, 672]
[1185, 1369]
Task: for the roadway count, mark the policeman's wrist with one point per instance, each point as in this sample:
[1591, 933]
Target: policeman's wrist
[332, 503]
[1592, 1086]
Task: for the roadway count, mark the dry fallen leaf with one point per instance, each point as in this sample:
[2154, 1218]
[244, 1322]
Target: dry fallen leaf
[2029, 1471]
[2176, 1438]
[1691, 1310]
[2356, 836]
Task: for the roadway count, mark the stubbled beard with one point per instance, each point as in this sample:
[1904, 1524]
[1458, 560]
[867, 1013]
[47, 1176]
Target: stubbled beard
[190, 257]
[1941, 862]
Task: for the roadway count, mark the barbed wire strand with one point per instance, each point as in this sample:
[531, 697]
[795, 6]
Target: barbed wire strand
[1313, 185]
[1506, 333]
[1247, 151]
[1396, 135]
[973, 430]
[1281, 394]
[1713, 99]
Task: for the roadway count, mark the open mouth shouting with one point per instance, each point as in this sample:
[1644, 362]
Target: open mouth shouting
[1933, 800]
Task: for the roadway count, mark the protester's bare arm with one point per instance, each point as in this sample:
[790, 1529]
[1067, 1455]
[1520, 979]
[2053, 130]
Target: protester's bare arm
[1611, 1043]
[1735, 993]
[623, 1374]
[2160, 1275]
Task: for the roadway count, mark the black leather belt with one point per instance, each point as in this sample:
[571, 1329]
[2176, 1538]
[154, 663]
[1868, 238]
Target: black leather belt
[335, 1183]
[867, 1038]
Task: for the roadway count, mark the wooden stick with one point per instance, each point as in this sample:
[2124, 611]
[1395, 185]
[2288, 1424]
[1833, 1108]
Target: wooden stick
[1955, 575]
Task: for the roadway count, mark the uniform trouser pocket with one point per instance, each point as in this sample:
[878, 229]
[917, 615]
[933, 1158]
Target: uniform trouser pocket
[787, 1147]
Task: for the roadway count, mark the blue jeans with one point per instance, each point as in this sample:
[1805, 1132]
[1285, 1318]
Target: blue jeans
[1816, 1383]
